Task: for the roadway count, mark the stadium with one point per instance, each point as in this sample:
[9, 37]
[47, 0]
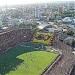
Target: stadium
[27, 52]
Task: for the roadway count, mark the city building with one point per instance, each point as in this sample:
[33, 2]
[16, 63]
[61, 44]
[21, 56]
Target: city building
[60, 9]
[36, 12]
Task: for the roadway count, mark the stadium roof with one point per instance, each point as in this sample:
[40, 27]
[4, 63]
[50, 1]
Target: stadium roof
[67, 20]
[42, 26]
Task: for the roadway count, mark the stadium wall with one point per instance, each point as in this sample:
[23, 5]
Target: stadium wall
[13, 37]
[51, 65]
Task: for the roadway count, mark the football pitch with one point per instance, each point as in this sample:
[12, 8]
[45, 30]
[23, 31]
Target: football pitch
[26, 59]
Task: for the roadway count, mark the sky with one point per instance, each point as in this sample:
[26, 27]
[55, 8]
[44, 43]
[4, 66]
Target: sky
[14, 2]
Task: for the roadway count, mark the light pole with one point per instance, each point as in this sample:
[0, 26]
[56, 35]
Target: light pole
[73, 44]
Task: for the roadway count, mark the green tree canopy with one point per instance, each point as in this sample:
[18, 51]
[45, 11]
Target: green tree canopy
[70, 32]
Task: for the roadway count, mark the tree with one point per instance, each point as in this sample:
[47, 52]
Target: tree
[68, 14]
[70, 32]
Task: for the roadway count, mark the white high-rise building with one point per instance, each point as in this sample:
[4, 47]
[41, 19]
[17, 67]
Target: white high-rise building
[52, 14]
[36, 12]
[74, 6]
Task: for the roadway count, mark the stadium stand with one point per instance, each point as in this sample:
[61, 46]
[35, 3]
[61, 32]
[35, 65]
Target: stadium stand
[61, 67]
[13, 37]
[64, 65]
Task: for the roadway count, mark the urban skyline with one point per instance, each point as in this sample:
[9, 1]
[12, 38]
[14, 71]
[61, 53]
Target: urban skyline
[10, 2]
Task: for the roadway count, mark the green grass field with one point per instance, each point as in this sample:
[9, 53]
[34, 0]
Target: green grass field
[25, 60]
[48, 41]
